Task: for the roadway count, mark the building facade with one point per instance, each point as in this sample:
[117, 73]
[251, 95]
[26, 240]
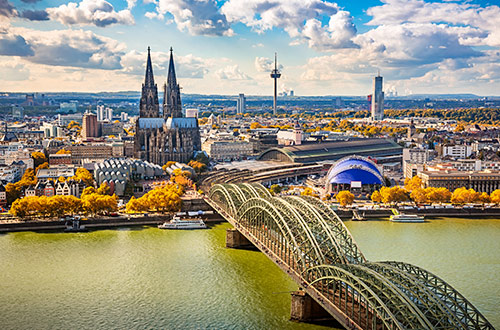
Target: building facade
[241, 104]
[171, 137]
[227, 150]
[377, 106]
[90, 127]
[484, 181]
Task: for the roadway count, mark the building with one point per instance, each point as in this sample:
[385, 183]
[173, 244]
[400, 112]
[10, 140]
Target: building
[17, 112]
[290, 137]
[64, 120]
[103, 113]
[227, 150]
[377, 106]
[171, 137]
[13, 172]
[50, 130]
[3, 195]
[192, 112]
[124, 117]
[454, 151]
[354, 172]
[483, 181]
[116, 172]
[382, 150]
[58, 159]
[54, 172]
[90, 127]
[94, 151]
[241, 104]
[413, 160]
[66, 107]
[110, 128]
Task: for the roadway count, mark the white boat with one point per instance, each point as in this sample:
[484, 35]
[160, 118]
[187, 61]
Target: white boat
[177, 223]
[406, 218]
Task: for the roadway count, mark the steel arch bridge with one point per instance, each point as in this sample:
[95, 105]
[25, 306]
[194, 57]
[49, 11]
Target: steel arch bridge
[305, 238]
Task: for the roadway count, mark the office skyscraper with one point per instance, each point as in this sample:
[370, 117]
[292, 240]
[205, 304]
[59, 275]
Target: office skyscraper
[90, 127]
[377, 107]
[241, 104]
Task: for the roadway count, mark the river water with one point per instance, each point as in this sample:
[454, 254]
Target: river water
[144, 278]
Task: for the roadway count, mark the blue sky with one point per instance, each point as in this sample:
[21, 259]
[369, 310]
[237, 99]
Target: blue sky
[226, 47]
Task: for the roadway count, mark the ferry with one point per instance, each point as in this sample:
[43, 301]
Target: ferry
[406, 218]
[177, 223]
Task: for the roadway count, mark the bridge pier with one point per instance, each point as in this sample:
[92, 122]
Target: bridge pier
[306, 309]
[235, 239]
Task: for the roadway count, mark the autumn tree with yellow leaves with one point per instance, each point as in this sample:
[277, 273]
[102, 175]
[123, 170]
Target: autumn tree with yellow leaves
[161, 199]
[345, 197]
[464, 196]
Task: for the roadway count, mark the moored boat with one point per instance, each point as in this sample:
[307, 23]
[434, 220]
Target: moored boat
[178, 223]
[406, 218]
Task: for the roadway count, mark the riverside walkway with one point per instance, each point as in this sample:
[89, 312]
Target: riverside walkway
[308, 241]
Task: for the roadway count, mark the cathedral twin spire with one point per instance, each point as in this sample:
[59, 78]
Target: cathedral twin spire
[149, 105]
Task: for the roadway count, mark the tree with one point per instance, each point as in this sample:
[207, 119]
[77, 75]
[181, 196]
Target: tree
[41, 166]
[63, 152]
[309, 192]
[160, 199]
[484, 198]
[197, 166]
[74, 124]
[394, 194]
[202, 158]
[103, 189]
[376, 197]
[345, 197]
[255, 125]
[464, 196]
[418, 196]
[84, 175]
[413, 183]
[275, 189]
[495, 196]
[38, 158]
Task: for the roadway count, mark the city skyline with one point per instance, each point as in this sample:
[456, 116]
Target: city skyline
[227, 47]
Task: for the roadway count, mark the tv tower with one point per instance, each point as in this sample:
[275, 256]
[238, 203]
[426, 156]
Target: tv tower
[275, 74]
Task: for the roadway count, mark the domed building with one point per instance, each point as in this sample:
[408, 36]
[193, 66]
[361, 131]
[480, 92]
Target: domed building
[355, 172]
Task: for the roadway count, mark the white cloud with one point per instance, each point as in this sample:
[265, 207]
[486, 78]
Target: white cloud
[232, 72]
[264, 64]
[338, 33]
[259, 45]
[264, 15]
[74, 48]
[394, 12]
[154, 15]
[90, 12]
[12, 70]
[198, 17]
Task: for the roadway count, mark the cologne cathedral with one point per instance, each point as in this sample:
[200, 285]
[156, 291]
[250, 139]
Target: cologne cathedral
[165, 136]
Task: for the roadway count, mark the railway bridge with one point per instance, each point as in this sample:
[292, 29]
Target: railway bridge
[308, 241]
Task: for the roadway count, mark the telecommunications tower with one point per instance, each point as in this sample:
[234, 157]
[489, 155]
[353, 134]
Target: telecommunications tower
[275, 74]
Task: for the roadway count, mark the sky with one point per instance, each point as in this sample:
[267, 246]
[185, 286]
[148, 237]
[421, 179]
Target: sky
[227, 47]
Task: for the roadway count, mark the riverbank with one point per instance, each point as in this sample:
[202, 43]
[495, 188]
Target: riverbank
[156, 219]
[95, 223]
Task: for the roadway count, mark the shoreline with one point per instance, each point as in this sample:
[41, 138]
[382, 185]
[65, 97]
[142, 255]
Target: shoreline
[154, 220]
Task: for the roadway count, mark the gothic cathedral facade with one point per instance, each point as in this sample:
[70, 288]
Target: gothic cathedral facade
[166, 136]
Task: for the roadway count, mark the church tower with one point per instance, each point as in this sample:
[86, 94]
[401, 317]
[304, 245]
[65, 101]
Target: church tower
[172, 106]
[149, 106]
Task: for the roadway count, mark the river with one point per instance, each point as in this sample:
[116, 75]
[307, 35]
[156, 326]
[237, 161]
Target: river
[143, 278]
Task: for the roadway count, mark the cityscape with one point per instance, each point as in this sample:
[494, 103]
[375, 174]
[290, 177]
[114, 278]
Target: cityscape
[266, 165]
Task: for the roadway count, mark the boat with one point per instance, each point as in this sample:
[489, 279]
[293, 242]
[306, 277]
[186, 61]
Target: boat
[357, 217]
[178, 223]
[73, 226]
[406, 218]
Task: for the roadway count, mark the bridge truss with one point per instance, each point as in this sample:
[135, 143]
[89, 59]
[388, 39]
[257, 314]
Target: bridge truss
[306, 238]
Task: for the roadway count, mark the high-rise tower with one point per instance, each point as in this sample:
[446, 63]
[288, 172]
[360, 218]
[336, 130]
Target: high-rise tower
[377, 107]
[275, 74]
[241, 106]
[149, 106]
[172, 106]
